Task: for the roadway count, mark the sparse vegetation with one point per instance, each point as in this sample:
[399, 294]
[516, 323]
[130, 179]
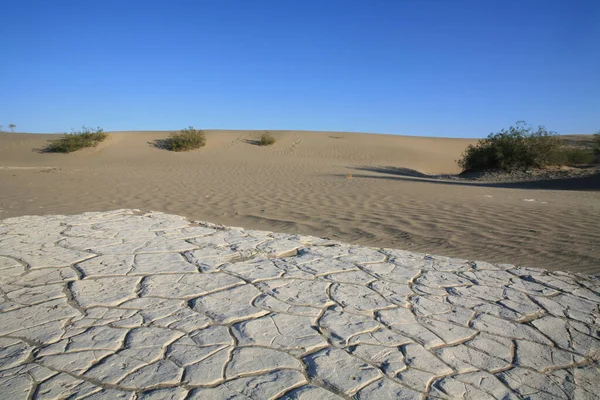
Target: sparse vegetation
[86, 137]
[185, 140]
[597, 143]
[574, 156]
[12, 127]
[266, 139]
[519, 148]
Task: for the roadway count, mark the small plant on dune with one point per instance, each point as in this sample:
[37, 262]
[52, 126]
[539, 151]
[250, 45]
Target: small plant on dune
[266, 139]
[521, 147]
[77, 139]
[186, 139]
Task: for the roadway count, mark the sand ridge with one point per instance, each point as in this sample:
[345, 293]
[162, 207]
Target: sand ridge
[301, 185]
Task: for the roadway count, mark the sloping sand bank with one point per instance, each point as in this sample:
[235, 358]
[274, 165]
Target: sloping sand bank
[149, 306]
[300, 185]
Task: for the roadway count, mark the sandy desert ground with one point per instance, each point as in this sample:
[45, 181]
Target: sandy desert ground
[301, 185]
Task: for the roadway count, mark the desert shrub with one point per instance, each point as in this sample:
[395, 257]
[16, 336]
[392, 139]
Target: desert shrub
[186, 139]
[266, 140]
[597, 143]
[86, 137]
[519, 147]
[573, 156]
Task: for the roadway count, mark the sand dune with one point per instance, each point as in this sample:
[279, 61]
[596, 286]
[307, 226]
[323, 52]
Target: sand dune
[300, 184]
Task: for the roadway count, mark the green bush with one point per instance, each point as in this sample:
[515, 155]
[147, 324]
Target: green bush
[519, 147]
[186, 139]
[574, 156]
[266, 140]
[86, 137]
[597, 143]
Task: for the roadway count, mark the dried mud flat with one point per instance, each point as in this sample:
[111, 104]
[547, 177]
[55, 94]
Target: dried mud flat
[150, 306]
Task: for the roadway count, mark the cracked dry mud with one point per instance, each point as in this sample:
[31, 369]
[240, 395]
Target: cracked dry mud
[150, 306]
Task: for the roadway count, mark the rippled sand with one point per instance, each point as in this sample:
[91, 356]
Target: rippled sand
[357, 188]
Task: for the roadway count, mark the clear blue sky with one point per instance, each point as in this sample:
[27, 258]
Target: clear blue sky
[435, 68]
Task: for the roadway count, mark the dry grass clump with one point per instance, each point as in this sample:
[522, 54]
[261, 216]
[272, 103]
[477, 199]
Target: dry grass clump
[86, 137]
[266, 140]
[185, 140]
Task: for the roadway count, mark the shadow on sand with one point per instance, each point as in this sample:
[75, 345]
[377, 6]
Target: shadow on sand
[162, 144]
[399, 171]
[253, 142]
[583, 183]
[47, 149]
[43, 150]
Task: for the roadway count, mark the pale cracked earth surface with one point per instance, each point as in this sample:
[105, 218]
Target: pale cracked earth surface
[124, 305]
